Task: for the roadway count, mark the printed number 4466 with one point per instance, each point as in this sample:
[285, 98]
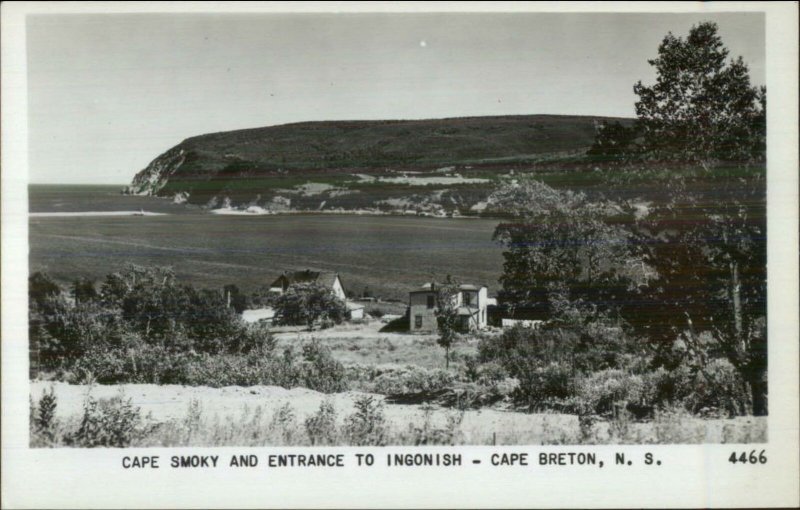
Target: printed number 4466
[744, 458]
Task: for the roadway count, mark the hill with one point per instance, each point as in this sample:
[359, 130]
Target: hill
[250, 164]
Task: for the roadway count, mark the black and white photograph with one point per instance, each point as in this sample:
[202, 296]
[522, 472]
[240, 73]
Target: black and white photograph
[313, 230]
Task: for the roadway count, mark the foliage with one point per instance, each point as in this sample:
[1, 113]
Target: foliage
[141, 314]
[560, 241]
[701, 109]
[83, 290]
[446, 310]
[367, 425]
[321, 426]
[411, 379]
[112, 423]
[320, 371]
[613, 142]
[142, 363]
[235, 298]
[41, 288]
[43, 423]
[283, 426]
[307, 304]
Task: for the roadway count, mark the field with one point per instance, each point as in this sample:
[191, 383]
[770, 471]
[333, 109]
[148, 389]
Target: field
[387, 255]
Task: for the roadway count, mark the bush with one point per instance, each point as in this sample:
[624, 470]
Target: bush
[320, 371]
[43, 424]
[108, 423]
[321, 426]
[153, 364]
[367, 425]
[411, 379]
[599, 392]
[428, 434]
[713, 389]
[283, 427]
[543, 386]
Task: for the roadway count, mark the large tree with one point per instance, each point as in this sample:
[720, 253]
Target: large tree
[702, 107]
[705, 231]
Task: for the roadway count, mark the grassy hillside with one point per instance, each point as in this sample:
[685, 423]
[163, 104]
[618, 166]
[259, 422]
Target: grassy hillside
[246, 163]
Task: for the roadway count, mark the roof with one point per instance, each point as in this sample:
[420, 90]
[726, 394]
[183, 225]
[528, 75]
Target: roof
[426, 287]
[324, 278]
[465, 310]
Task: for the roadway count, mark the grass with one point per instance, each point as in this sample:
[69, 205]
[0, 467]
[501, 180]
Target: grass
[117, 422]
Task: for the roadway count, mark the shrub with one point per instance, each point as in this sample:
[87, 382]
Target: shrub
[367, 425]
[43, 424]
[412, 379]
[599, 392]
[320, 371]
[283, 427]
[321, 426]
[113, 422]
[715, 388]
[540, 386]
[428, 434]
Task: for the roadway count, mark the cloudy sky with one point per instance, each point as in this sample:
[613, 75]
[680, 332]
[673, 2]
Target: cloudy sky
[108, 93]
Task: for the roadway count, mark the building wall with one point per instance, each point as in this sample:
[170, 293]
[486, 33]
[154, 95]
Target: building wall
[483, 301]
[337, 289]
[418, 307]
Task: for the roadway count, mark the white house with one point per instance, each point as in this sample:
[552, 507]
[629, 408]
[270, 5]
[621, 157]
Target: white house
[470, 302]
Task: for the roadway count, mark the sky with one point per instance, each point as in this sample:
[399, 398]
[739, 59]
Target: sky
[107, 93]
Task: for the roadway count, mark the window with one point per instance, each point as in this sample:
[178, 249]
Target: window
[417, 321]
[430, 302]
[467, 298]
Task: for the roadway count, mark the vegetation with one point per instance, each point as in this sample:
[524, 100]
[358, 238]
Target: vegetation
[651, 274]
[446, 315]
[682, 286]
[307, 304]
[144, 327]
[116, 422]
[315, 150]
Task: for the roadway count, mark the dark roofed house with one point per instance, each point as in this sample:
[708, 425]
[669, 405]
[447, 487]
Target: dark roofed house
[327, 279]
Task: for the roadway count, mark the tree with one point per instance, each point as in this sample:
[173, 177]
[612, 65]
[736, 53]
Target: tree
[702, 108]
[446, 311]
[41, 287]
[234, 298]
[307, 304]
[705, 233]
[561, 242]
[613, 141]
[150, 300]
[83, 290]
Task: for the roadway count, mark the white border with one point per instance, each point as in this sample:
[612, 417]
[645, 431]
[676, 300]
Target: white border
[691, 475]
